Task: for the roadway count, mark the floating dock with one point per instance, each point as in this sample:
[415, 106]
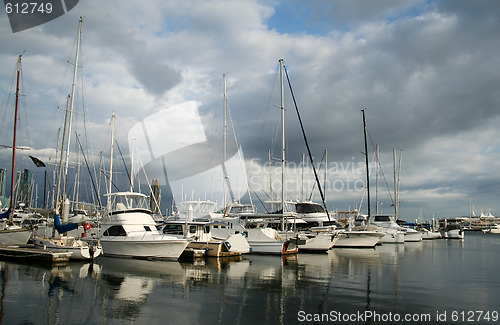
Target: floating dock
[29, 253]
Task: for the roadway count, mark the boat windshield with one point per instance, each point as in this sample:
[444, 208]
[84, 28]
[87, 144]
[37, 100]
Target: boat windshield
[382, 218]
[129, 202]
[308, 208]
[241, 208]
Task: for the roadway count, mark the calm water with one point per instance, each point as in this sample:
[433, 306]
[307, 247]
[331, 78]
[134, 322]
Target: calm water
[442, 280]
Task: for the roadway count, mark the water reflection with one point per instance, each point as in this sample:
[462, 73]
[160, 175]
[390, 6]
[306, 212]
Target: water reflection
[254, 288]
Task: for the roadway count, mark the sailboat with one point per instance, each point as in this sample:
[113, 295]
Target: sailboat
[129, 230]
[261, 238]
[11, 234]
[388, 222]
[81, 250]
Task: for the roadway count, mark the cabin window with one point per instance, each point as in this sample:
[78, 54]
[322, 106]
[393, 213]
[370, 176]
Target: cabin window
[147, 228]
[216, 227]
[173, 229]
[223, 227]
[192, 229]
[207, 229]
[382, 218]
[115, 231]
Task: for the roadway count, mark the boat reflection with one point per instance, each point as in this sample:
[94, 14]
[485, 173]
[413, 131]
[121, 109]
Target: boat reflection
[269, 289]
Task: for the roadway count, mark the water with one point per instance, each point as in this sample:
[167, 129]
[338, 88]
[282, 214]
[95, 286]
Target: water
[441, 281]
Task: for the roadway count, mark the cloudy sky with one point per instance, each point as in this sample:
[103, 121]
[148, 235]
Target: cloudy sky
[427, 73]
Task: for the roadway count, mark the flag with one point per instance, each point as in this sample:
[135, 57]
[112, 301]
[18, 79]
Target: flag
[37, 162]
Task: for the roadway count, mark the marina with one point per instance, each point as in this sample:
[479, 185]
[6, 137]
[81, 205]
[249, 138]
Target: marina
[226, 208]
[422, 279]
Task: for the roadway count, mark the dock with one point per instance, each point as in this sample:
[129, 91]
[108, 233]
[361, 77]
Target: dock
[29, 253]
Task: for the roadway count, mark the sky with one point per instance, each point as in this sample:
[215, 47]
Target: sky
[426, 73]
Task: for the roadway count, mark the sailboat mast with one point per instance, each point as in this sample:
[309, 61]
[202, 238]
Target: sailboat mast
[72, 100]
[14, 139]
[326, 170]
[271, 179]
[395, 185]
[111, 155]
[282, 138]
[377, 152]
[224, 140]
[58, 192]
[132, 166]
[367, 166]
[224, 145]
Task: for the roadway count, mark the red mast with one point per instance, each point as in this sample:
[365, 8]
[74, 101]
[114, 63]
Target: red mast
[13, 178]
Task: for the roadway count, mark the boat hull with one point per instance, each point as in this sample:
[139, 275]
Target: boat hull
[320, 242]
[454, 234]
[393, 238]
[429, 235]
[275, 247]
[213, 248]
[361, 239]
[413, 236]
[79, 250]
[167, 249]
[17, 236]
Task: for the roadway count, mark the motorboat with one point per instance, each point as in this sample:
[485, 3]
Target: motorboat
[199, 233]
[129, 230]
[359, 237]
[261, 238]
[454, 231]
[392, 232]
[430, 234]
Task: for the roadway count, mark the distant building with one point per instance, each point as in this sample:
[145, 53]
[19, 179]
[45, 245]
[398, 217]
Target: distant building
[155, 197]
[24, 187]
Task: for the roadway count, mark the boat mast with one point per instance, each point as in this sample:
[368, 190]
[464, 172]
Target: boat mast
[111, 156]
[367, 166]
[132, 167]
[282, 107]
[271, 196]
[58, 192]
[224, 145]
[326, 170]
[72, 100]
[14, 139]
[395, 185]
[377, 152]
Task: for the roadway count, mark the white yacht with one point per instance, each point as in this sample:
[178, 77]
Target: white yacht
[393, 232]
[454, 231]
[313, 213]
[430, 234]
[358, 237]
[129, 230]
[262, 239]
[199, 233]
